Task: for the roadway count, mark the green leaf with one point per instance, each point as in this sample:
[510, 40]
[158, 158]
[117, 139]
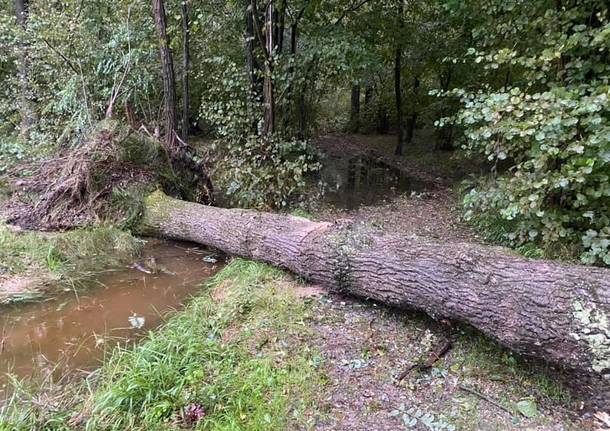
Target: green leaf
[527, 408]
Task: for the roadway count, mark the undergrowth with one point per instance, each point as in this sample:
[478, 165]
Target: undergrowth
[231, 360]
[497, 230]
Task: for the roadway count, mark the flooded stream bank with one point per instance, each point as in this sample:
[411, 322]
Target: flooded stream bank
[75, 330]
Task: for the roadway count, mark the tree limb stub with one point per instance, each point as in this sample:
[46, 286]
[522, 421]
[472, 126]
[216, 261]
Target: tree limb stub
[549, 310]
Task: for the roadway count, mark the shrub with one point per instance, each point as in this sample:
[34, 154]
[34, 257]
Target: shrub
[250, 169]
[550, 126]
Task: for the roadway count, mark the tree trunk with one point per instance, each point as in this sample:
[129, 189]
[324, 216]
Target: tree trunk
[400, 121]
[167, 72]
[550, 310]
[354, 119]
[412, 122]
[299, 101]
[382, 121]
[280, 26]
[444, 135]
[183, 157]
[26, 108]
[252, 64]
[368, 95]
[186, 65]
[268, 91]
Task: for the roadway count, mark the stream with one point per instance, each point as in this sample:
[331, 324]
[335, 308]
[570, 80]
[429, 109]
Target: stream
[74, 331]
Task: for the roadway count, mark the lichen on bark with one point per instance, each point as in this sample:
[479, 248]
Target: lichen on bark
[595, 332]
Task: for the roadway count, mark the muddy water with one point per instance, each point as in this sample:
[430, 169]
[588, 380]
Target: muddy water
[75, 331]
[362, 181]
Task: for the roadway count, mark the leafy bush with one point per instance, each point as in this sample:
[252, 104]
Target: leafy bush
[252, 170]
[10, 153]
[551, 126]
[259, 172]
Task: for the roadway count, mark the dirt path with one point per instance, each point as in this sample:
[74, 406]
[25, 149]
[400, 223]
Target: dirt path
[365, 347]
[430, 209]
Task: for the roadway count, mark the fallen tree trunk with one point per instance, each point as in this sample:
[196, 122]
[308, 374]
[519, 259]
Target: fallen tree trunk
[549, 310]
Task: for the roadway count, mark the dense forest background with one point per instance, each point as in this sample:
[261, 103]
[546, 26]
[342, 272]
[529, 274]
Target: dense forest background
[521, 84]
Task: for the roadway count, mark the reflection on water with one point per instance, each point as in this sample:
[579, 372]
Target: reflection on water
[362, 180]
[74, 331]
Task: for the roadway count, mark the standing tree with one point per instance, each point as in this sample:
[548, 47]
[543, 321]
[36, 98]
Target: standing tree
[400, 121]
[27, 111]
[267, 42]
[186, 64]
[268, 93]
[412, 121]
[355, 107]
[167, 73]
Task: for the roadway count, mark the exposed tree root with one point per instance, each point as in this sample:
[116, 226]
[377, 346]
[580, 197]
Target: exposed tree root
[76, 188]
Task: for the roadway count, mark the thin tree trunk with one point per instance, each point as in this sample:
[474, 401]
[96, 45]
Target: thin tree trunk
[444, 135]
[268, 90]
[252, 64]
[280, 27]
[26, 108]
[186, 65]
[412, 122]
[382, 121]
[554, 311]
[183, 157]
[368, 95]
[167, 72]
[355, 108]
[299, 103]
[400, 121]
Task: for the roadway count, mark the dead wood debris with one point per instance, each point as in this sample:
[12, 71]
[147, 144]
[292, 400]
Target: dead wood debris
[436, 353]
[434, 356]
[485, 397]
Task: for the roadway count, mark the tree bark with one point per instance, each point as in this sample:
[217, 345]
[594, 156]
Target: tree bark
[412, 122]
[554, 311]
[355, 108]
[186, 65]
[26, 108]
[400, 121]
[167, 72]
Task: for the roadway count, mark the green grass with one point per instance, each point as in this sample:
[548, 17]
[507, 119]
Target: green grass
[478, 357]
[69, 256]
[234, 351]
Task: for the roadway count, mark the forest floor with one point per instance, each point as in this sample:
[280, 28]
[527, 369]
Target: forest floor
[367, 346]
[261, 350]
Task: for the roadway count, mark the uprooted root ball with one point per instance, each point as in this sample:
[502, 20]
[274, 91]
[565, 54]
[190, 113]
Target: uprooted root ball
[84, 184]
